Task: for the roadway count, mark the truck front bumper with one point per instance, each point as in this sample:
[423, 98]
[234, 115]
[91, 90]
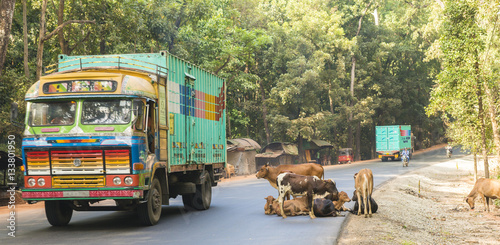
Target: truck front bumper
[71, 194]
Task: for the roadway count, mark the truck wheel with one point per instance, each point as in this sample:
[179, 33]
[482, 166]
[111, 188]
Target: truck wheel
[58, 213]
[150, 211]
[202, 198]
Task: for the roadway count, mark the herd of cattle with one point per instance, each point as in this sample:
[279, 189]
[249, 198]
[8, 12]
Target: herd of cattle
[313, 195]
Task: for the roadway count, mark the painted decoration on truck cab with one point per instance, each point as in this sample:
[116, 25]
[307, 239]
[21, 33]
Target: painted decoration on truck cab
[79, 86]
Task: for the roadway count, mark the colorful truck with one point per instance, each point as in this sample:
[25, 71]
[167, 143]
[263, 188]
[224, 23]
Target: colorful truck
[391, 140]
[138, 129]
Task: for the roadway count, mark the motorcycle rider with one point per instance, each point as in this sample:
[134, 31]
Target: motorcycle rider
[449, 150]
[406, 153]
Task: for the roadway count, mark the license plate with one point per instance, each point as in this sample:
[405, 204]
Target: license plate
[76, 194]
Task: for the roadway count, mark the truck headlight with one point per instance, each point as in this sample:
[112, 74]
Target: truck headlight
[117, 180]
[128, 180]
[31, 182]
[41, 181]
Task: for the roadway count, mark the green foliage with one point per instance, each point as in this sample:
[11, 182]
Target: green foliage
[291, 57]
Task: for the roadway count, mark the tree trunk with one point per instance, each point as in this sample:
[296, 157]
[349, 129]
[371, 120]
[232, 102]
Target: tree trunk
[357, 157]
[6, 13]
[302, 157]
[60, 34]
[483, 139]
[39, 53]
[25, 39]
[492, 98]
[475, 166]
[264, 113]
[481, 112]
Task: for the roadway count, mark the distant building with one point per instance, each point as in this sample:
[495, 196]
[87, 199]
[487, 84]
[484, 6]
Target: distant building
[278, 153]
[241, 154]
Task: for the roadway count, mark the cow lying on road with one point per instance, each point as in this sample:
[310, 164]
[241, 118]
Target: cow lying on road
[298, 206]
[343, 198]
[374, 204]
[271, 173]
[485, 189]
[363, 182]
[309, 186]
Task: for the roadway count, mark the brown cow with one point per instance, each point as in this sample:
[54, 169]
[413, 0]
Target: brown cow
[309, 186]
[293, 207]
[298, 206]
[363, 183]
[271, 173]
[485, 189]
[343, 198]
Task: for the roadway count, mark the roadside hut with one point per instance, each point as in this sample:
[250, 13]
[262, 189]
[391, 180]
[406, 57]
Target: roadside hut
[312, 150]
[241, 154]
[278, 153]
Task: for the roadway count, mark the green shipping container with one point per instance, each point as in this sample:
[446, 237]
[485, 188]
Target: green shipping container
[191, 104]
[391, 139]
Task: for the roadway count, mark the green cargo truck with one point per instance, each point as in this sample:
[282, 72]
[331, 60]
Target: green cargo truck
[138, 129]
[391, 140]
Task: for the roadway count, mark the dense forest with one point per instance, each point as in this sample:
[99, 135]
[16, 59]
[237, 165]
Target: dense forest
[311, 69]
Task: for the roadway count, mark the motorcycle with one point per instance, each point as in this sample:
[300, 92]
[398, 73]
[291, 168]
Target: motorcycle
[405, 161]
[448, 152]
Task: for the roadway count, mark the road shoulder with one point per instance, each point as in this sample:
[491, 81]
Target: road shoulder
[426, 206]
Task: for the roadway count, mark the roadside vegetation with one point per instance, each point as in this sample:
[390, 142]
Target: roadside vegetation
[314, 69]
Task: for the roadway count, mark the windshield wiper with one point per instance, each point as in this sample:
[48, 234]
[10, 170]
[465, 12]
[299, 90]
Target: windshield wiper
[34, 133]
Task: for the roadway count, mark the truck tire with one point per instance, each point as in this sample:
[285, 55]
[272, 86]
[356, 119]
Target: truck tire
[202, 198]
[58, 213]
[150, 211]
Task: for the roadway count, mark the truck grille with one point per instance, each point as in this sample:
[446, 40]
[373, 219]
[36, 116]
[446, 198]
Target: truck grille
[117, 161]
[38, 163]
[77, 162]
[78, 181]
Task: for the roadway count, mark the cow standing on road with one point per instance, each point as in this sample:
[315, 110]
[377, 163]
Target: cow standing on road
[357, 203]
[363, 183]
[309, 186]
[271, 173]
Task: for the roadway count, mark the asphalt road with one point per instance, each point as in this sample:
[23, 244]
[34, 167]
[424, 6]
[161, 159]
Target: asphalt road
[236, 216]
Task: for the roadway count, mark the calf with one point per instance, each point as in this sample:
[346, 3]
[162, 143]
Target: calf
[343, 198]
[271, 173]
[363, 183]
[298, 206]
[271, 205]
[373, 204]
[293, 207]
[309, 186]
[485, 189]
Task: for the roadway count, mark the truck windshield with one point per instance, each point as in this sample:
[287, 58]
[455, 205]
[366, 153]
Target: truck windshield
[52, 113]
[106, 111]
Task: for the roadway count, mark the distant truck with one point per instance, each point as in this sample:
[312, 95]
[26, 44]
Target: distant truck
[134, 128]
[391, 140]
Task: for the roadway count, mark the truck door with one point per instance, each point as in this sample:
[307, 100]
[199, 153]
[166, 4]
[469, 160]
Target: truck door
[190, 117]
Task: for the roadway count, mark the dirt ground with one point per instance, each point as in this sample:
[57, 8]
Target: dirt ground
[437, 214]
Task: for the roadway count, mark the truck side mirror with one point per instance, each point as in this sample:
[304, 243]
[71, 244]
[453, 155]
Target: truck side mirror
[14, 112]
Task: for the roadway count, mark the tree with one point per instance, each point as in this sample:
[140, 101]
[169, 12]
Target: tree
[6, 13]
[44, 37]
[459, 94]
